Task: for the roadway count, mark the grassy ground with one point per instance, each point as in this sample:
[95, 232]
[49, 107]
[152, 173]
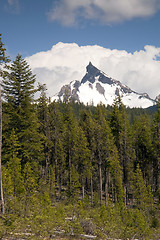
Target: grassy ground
[80, 221]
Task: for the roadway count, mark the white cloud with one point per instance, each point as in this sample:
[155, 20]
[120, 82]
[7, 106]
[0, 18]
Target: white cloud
[13, 5]
[66, 62]
[10, 2]
[68, 12]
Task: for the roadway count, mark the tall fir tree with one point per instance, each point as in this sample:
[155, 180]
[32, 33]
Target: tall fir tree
[124, 141]
[44, 126]
[18, 91]
[13, 180]
[82, 158]
[156, 148]
[30, 185]
[143, 147]
[107, 156]
[88, 125]
[14, 165]
[3, 59]
[57, 149]
[142, 194]
[70, 136]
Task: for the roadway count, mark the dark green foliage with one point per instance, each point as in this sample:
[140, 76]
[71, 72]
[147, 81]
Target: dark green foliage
[3, 58]
[3, 61]
[80, 169]
[143, 147]
[18, 91]
[2, 51]
[121, 130]
[156, 147]
[142, 195]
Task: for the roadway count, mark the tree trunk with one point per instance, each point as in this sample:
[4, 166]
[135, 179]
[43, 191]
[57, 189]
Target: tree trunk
[91, 190]
[70, 166]
[83, 190]
[47, 167]
[112, 193]
[106, 188]
[60, 185]
[100, 182]
[125, 195]
[1, 187]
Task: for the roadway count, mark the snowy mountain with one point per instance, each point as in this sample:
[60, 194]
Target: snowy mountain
[96, 87]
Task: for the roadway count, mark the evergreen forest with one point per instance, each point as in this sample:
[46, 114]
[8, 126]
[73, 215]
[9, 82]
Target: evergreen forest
[73, 171]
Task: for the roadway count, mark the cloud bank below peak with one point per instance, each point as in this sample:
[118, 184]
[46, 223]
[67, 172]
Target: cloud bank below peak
[66, 62]
[68, 12]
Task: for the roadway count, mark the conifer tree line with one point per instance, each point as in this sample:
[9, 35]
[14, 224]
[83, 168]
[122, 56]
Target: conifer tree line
[65, 151]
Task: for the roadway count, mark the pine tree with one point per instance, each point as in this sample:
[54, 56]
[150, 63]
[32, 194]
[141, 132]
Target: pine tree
[51, 182]
[3, 59]
[70, 133]
[73, 185]
[141, 193]
[30, 185]
[14, 184]
[88, 125]
[156, 148]
[117, 121]
[107, 157]
[8, 191]
[124, 141]
[44, 126]
[14, 165]
[60, 163]
[57, 145]
[101, 135]
[143, 147]
[18, 89]
[81, 158]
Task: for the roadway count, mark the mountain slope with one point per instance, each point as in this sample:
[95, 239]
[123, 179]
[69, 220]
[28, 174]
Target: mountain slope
[96, 87]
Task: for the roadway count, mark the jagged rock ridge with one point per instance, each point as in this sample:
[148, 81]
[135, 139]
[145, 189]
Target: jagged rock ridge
[96, 87]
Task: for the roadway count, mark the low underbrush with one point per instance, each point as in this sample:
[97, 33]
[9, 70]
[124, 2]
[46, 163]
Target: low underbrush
[80, 220]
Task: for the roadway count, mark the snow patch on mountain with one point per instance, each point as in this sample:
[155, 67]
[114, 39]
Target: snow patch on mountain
[97, 87]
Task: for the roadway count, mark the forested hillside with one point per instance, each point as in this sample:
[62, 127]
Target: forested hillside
[73, 170]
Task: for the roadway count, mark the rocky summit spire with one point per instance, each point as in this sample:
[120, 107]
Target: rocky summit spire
[91, 73]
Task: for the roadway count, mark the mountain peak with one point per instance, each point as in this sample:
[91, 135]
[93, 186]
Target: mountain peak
[92, 69]
[92, 72]
[96, 87]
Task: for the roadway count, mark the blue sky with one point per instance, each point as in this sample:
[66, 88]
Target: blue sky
[29, 27]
